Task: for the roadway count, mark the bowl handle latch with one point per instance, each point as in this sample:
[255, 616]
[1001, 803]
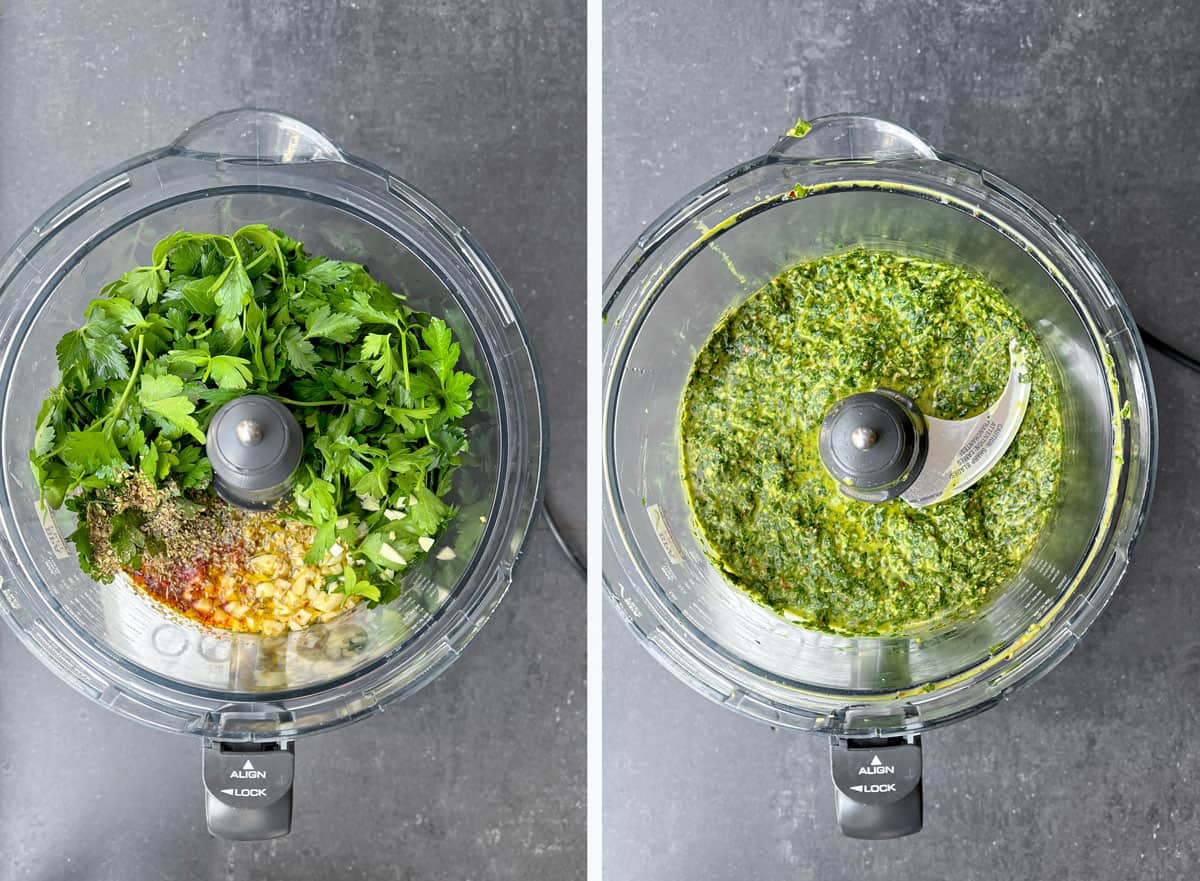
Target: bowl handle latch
[878, 784]
[248, 789]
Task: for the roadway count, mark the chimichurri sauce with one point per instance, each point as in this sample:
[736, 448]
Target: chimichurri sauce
[773, 516]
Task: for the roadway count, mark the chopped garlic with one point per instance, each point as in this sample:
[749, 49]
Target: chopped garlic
[425, 542]
[264, 564]
[369, 503]
[342, 523]
[446, 554]
[393, 514]
[390, 554]
[412, 500]
[323, 602]
[300, 619]
[335, 550]
[271, 589]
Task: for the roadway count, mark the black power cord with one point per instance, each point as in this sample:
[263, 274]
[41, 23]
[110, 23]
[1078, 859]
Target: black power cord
[580, 566]
[1165, 348]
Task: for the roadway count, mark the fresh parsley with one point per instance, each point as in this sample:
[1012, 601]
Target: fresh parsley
[374, 384]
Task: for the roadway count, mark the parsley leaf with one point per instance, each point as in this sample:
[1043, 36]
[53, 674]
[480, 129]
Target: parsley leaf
[163, 398]
[362, 307]
[121, 311]
[426, 515]
[353, 586]
[94, 352]
[233, 291]
[138, 286]
[322, 542]
[229, 371]
[442, 354]
[90, 450]
[383, 362]
[126, 538]
[457, 394]
[200, 296]
[300, 352]
[328, 272]
[316, 497]
[323, 323]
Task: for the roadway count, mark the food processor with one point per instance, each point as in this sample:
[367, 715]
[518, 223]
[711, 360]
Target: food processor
[249, 697]
[847, 182]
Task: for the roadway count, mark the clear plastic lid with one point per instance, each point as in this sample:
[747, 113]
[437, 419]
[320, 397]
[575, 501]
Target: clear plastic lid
[854, 181]
[118, 646]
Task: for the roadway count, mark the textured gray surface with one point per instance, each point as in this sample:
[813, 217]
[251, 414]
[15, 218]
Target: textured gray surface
[1093, 107]
[481, 105]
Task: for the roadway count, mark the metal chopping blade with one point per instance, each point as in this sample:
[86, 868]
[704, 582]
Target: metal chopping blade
[879, 446]
[961, 452]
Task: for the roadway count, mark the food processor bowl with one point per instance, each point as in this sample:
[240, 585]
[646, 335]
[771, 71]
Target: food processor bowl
[852, 181]
[237, 690]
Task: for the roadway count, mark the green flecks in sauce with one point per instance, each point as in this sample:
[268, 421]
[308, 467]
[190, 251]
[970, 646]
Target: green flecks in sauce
[774, 518]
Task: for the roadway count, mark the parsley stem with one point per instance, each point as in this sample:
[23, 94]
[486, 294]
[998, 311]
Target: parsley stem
[404, 357]
[282, 262]
[137, 366]
[307, 403]
[74, 408]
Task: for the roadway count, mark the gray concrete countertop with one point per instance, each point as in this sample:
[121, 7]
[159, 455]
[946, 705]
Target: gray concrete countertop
[481, 105]
[1093, 107]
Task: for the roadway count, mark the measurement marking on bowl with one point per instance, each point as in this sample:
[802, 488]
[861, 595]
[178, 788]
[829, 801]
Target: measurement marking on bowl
[53, 534]
[629, 603]
[169, 640]
[214, 650]
[665, 537]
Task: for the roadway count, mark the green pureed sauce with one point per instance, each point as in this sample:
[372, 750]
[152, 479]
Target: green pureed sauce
[773, 517]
